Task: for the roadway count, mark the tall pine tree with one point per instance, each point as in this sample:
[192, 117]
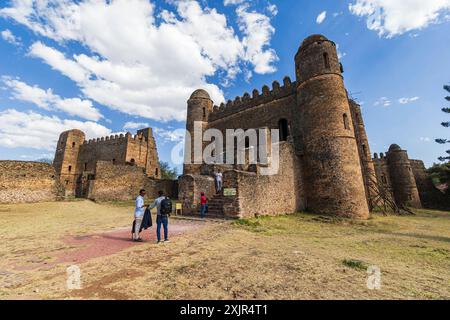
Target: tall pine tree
[446, 125]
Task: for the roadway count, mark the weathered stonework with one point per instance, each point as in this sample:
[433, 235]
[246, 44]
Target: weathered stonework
[123, 182]
[407, 180]
[28, 182]
[326, 163]
[110, 168]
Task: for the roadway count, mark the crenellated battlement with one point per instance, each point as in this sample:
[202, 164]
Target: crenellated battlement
[248, 101]
[117, 137]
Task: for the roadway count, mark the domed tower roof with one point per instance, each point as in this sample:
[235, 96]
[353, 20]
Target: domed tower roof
[313, 38]
[200, 94]
[394, 147]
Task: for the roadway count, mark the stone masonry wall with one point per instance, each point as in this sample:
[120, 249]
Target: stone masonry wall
[123, 182]
[258, 194]
[28, 182]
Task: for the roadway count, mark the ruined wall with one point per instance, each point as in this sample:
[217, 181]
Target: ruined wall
[430, 196]
[257, 194]
[123, 182]
[190, 188]
[28, 182]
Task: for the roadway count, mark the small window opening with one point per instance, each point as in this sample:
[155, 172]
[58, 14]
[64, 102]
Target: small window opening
[346, 122]
[85, 166]
[283, 126]
[156, 172]
[73, 144]
[70, 168]
[326, 60]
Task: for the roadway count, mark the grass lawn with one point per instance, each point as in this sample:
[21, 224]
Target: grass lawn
[300, 256]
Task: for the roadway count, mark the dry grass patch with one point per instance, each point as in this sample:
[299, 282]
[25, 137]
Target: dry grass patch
[291, 257]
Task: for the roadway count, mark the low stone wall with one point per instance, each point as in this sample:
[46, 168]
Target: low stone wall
[22, 182]
[123, 182]
[190, 188]
[257, 194]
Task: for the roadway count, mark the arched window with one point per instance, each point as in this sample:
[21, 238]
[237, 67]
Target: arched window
[70, 168]
[73, 144]
[283, 126]
[156, 172]
[133, 161]
[346, 122]
[326, 60]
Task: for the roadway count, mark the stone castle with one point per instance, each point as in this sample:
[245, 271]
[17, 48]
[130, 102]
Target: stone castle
[326, 165]
[76, 159]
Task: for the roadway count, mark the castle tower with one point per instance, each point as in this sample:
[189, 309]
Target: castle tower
[199, 107]
[66, 158]
[367, 164]
[402, 177]
[152, 168]
[333, 173]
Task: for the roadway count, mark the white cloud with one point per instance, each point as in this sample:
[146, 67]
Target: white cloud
[407, 100]
[33, 130]
[383, 102]
[176, 135]
[425, 139]
[135, 125]
[8, 36]
[141, 66]
[321, 17]
[47, 100]
[395, 17]
[257, 31]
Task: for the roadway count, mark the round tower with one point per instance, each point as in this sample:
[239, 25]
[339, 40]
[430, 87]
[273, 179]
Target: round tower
[367, 164]
[333, 173]
[402, 177]
[199, 107]
[66, 158]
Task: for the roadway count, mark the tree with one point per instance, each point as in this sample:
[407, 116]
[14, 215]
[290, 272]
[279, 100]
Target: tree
[167, 172]
[440, 173]
[445, 125]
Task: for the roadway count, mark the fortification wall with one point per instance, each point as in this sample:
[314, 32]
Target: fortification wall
[28, 182]
[111, 148]
[278, 194]
[261, 109]
[123, 182]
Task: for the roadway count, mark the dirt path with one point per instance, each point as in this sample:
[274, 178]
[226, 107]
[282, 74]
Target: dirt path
[108, 243]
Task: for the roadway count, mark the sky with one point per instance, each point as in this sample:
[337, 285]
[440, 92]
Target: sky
[120, 65]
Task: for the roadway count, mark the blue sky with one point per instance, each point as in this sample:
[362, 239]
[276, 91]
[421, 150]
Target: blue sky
[115, 66]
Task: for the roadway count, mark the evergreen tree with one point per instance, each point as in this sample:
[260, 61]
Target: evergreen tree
[167, 172]
[445, 125]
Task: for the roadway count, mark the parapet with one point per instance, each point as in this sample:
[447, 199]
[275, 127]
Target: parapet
[248, 101]
[117, 137]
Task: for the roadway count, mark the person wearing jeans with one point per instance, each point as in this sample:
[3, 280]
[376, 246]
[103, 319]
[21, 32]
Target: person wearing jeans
[164, 221]
[161, 219]
[203, 204]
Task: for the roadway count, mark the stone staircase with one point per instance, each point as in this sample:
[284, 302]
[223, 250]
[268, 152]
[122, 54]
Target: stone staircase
[215, 207]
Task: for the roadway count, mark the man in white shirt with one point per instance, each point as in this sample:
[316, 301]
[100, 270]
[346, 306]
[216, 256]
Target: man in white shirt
[139, 212]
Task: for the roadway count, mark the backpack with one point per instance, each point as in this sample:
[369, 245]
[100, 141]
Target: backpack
[166, 207]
